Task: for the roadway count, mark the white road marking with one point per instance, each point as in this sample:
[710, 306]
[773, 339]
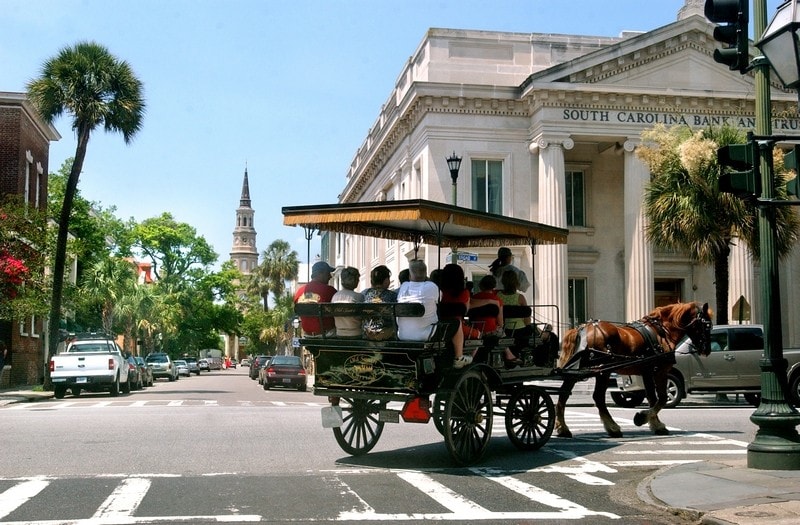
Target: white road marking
[17, 495]
[124, 501]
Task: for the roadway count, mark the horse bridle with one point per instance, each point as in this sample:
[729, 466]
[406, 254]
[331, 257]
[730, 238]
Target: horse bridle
[700, 338]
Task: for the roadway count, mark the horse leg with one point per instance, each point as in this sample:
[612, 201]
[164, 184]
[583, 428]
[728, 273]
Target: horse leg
[655, 386]
[599, 397]
[561, 428]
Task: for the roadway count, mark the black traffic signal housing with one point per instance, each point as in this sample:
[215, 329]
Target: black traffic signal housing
[790, 161]
[735, 15]
[740, 173]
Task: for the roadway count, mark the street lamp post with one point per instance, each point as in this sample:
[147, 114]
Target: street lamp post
[776, 445]
[454, 164]
[296, 335]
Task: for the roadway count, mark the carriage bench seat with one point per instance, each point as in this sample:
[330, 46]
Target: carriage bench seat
[391, 365]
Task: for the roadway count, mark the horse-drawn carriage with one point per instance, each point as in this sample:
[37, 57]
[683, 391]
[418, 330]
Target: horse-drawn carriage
[371, 383]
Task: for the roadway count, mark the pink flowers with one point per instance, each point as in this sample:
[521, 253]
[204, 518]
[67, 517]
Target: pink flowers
[12, 274]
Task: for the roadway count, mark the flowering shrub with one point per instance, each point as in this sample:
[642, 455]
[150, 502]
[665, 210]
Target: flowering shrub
[12, 274]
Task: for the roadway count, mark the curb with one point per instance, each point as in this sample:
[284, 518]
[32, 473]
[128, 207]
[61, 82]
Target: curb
[646, 495]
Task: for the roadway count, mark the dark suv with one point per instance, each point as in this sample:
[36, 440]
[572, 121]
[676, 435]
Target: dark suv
[256, 364]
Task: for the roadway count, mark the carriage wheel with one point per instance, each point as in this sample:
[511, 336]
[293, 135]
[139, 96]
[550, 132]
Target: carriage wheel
[468, 418]
[439, 405]
[360, 428]
[530, 418]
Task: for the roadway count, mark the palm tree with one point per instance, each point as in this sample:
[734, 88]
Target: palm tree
[279, 264]
[96, 88]
[686, 211]
[107, 282]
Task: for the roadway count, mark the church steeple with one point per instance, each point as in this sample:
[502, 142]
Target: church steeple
[244, 252]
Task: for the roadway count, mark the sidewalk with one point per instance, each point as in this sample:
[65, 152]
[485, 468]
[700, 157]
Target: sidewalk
[723, 492]
[726, 492]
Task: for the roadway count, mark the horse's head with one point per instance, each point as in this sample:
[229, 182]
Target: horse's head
[699, 329]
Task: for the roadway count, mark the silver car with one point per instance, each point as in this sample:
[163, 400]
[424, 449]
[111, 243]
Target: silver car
[183, 367]
[162, 366]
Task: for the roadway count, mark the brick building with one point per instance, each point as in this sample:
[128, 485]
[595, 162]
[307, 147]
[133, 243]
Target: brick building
[24, 153]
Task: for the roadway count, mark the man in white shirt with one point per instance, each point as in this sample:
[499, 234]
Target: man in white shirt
[418, 290]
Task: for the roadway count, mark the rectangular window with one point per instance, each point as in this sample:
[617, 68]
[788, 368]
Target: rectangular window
[487, 186]
[34, 332]
[577, 302]
[576, 206]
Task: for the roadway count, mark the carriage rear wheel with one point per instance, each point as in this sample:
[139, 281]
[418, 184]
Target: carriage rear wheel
[530, 418]
[468, 418]
[361, 427]
[439, 405]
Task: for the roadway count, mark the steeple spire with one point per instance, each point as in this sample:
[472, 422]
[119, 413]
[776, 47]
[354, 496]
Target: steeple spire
[244, 252]
[244, 200]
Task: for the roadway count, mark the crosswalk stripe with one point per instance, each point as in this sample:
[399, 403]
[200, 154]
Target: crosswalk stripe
[17, 495]
[124, 501]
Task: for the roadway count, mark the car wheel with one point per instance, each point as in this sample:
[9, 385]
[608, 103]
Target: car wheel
[753, 398]
[59, 392]
[794, 391]
[76, 391]
[126, 388]
[675, 392]
[114, 388]
[172, 377]
[266, 385]
[628, 399]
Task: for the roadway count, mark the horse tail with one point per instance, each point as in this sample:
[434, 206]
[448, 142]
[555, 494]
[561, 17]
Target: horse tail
[568, 346]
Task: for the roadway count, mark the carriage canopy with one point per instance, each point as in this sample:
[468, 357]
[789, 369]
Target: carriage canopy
[423, 222]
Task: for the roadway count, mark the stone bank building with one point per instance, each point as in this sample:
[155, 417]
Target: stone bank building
[548, 126]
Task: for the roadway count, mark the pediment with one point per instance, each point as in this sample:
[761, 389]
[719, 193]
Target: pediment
[677, 57]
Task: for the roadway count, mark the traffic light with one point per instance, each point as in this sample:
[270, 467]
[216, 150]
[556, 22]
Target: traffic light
[740, 173]
[734, 14]
[790, 163]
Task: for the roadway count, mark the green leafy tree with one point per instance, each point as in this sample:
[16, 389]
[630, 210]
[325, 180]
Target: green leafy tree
[96, 88]
[177, 253]
[686, 211]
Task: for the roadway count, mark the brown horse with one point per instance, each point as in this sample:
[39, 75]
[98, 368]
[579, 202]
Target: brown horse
[643, 347]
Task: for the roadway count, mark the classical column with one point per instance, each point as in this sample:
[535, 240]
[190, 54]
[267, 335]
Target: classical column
[551, 260]
[639, 287]
[741, 283]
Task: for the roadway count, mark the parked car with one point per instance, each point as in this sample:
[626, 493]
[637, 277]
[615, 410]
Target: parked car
[285, 370]
[234, 363]
[733, 367]
[214, 363]
[183, 367]
[134, 373]
[262, 371]
[162, 366]
[256, 364]
[194, 367]
[145, 370]
[245, 362]
[92, 362]
[202, 364]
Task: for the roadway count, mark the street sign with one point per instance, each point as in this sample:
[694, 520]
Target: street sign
[465, 257]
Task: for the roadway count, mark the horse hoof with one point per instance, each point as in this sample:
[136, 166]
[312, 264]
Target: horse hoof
[564, 434]
[617, 434]
[661, 432]
[639, 419]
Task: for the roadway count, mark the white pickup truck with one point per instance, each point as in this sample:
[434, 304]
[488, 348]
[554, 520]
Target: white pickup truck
[90, 362]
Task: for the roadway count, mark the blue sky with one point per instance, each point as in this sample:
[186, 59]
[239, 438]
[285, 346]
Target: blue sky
[288, 89]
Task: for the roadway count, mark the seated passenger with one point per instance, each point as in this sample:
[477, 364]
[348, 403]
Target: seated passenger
[317, 291]
[487, 296]
[379, 328]
[517, 327]
[454, 291]
[418, 290]
[349, 327]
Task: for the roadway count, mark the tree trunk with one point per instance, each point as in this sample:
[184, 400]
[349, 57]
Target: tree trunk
[59, 262]
[721, 281]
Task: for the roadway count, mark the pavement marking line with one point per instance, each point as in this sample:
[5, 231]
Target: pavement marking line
[441, 494]
[686, 452]
[101, 404]
[124, 501]
[544, 497]
[175, 403]
[138, 403]
[210, 402]
[14, 497]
